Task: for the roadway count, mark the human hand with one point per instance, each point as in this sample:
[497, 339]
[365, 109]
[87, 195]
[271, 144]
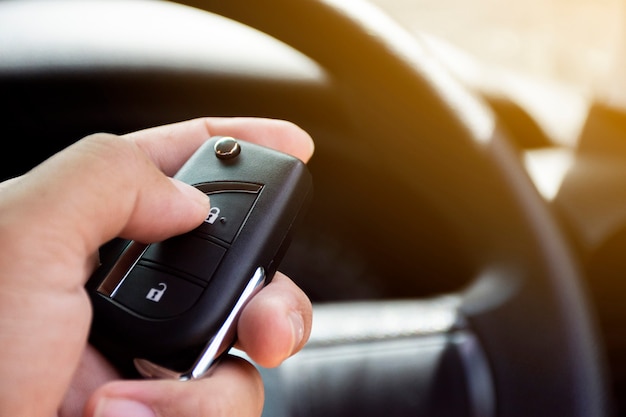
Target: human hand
[52, 222]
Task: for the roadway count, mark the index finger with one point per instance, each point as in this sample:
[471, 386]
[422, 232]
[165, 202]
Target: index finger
[170, 145]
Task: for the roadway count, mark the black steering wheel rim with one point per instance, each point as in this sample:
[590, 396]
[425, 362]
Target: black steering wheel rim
[527, 305]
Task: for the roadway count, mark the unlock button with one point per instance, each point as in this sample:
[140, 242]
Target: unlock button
[156, 294]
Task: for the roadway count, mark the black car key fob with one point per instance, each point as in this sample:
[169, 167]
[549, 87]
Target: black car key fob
[169, 309]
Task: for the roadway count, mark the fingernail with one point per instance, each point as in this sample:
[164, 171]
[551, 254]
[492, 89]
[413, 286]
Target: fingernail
[117, 407]
[297, 328]
[192, 192]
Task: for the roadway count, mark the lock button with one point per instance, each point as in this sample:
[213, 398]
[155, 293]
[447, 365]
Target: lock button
[229, 210]
[213, 215]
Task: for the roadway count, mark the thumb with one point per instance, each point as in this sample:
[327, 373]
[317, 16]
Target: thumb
[52, 220]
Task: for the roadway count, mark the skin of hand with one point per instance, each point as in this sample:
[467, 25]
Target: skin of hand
[53, 220]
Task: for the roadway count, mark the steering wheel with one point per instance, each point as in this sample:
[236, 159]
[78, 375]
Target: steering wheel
[408, 163]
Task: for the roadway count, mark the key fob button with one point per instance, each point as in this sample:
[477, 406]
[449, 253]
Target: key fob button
[187, 253]
[155, 294]
[228, 213]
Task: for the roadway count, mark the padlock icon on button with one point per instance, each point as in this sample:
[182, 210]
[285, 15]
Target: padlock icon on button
[213, 214]
[155, 294]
